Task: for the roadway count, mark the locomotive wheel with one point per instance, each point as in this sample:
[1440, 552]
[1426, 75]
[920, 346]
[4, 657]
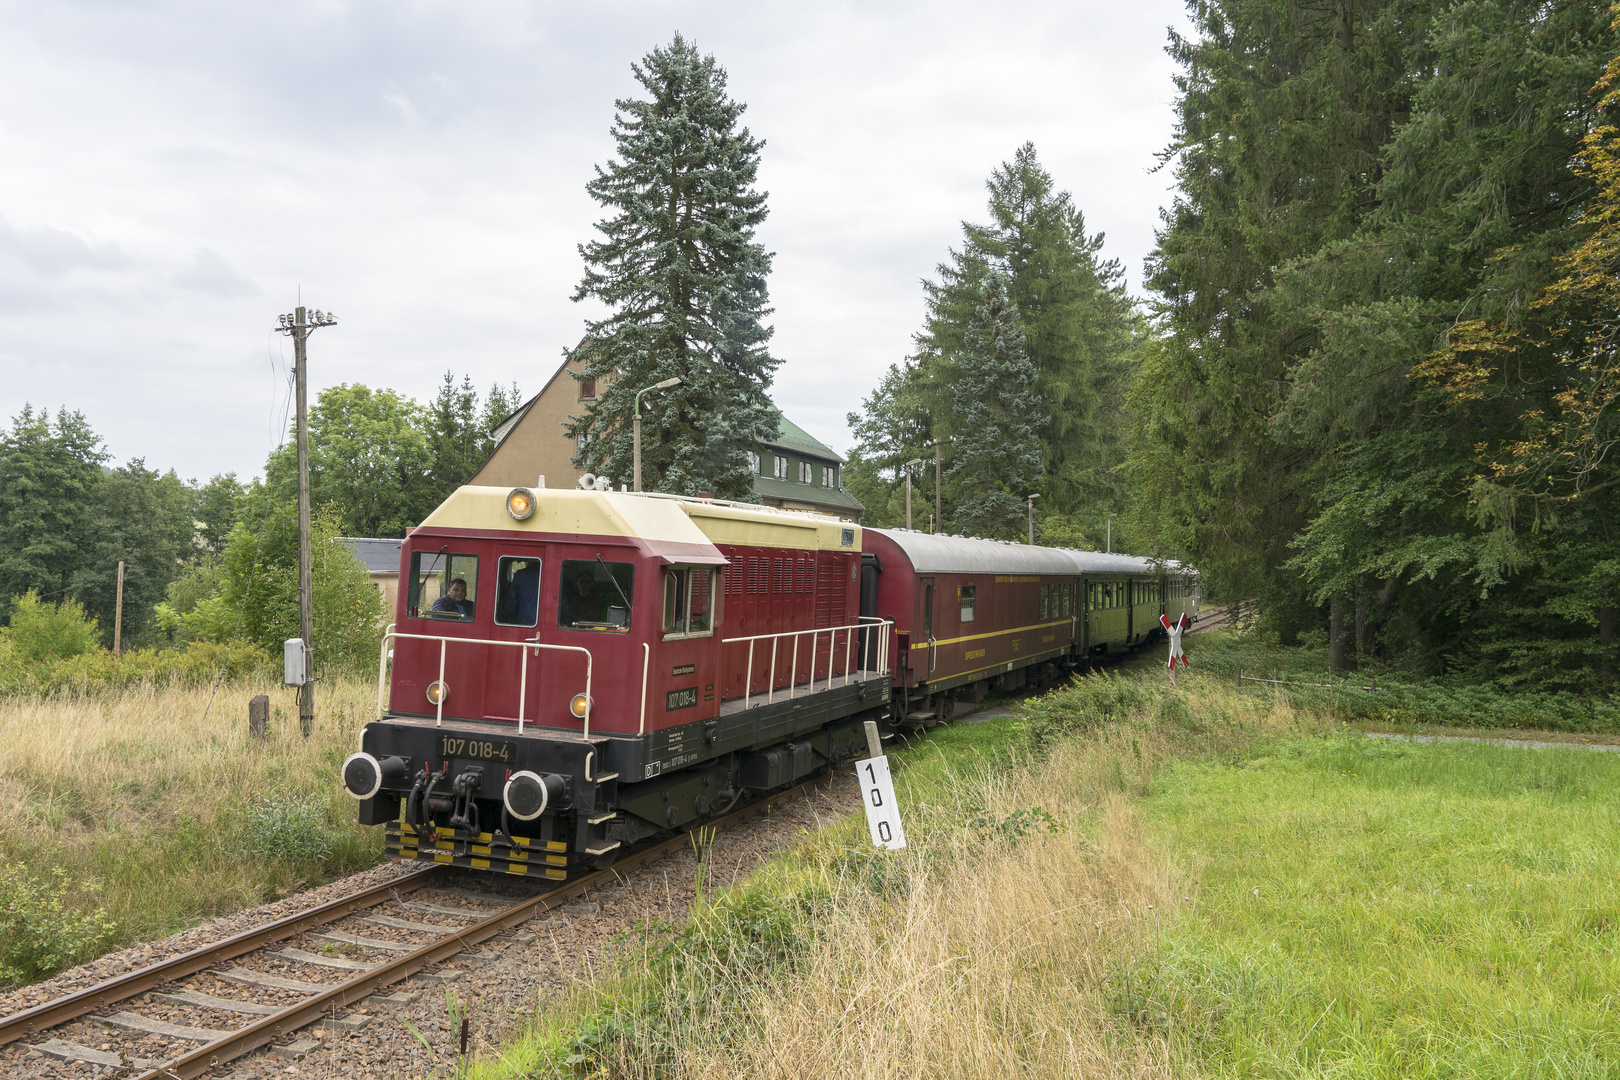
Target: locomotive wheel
[605, 860]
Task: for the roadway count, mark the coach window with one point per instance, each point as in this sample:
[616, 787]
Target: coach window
[517, 592]
[1044, 599]
[443, 586]
[595, 595]
[688, 602]
[967, 603]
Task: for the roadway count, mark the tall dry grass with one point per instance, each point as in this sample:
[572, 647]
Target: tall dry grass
[1007, 968]
[1006, 940]
[158, 801]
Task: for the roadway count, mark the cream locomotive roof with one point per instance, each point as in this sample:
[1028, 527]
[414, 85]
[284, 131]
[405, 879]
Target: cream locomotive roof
[670, 525]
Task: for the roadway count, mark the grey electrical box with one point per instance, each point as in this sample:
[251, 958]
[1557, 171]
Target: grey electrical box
[293, 660]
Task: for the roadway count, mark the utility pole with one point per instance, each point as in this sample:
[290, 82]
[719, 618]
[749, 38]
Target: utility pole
[299, 325]
[907, 467]
[635, 429]
[1032, 499]
[1108, 545]
[118, 613]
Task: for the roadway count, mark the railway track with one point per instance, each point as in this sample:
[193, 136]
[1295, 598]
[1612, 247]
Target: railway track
[234, 1010]
[1218, 619]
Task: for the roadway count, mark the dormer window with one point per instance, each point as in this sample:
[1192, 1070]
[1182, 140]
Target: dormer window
[827, 476]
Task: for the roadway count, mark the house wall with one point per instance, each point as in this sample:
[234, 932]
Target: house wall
[538, 445]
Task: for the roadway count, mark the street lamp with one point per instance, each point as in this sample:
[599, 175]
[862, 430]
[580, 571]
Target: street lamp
[907, 466]
[1032, 499]
[1108, 545]
[635, 426]
[939, 519]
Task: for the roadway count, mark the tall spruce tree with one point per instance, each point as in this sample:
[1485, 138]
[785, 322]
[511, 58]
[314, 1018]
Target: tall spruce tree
[684, 277]
[1080, 333]
[1078, 322]
[996, 459]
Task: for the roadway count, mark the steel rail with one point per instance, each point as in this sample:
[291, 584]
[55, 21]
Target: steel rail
[341, 995]
[60, 1011]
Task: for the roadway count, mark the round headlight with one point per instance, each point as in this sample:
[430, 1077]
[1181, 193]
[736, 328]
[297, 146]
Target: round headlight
[580, 705]
[525, 796]
[437, 692]
[520, 504]
[362, 775]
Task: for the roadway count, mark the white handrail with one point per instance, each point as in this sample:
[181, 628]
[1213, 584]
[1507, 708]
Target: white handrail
[523, 689]
[867, 622]
[646, 661]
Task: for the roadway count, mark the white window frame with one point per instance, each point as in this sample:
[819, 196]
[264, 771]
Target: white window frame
[682, 577]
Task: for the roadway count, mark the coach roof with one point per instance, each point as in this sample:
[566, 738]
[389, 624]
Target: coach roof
[932, 554]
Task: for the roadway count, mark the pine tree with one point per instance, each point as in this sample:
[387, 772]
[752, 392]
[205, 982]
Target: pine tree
[678, 265]
[1081, 332]
[996, 458]
[1077, 318]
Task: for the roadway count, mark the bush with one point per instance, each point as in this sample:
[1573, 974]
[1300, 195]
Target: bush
[98, 670]
[39, 631]
[41, 932]
[287, 826]
[1087, 702]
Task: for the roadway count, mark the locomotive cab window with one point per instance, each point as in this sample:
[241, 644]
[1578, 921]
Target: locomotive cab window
[967, 603]
[517, 592]
[688, 602]
[595, 595]
[443, 586]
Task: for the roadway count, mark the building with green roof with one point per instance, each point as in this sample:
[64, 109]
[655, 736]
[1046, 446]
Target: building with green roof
[797, 471]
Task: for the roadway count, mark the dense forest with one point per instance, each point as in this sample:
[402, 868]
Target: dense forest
[1370, 387]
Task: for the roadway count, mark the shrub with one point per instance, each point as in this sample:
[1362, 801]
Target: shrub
[39, 631]
[287, 826]
[98, 670]
[1087, 702]
[41, 931]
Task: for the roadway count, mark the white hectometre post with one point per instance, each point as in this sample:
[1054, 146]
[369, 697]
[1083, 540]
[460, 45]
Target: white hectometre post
[877, 794]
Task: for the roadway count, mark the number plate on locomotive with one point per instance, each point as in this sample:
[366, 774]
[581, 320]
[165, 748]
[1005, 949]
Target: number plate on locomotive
[477, 749]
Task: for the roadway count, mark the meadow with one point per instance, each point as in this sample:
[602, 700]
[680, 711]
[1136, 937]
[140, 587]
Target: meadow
[135, 812]
[1130, 879]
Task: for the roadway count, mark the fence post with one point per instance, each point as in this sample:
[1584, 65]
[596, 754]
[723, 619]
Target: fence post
[259, 717]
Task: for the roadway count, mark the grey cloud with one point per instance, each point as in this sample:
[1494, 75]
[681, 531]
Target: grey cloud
[53, 252]
[208, 273]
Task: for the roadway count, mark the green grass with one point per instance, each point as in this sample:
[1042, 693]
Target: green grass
[1368, 908]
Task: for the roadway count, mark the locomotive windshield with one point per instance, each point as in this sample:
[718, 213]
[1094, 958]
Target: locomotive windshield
[595, 595]
[443, 586]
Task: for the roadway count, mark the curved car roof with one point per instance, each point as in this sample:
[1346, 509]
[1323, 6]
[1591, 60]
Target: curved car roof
[933, 554]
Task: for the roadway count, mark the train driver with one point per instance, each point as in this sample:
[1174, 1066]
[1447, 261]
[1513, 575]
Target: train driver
[522, 600]
[455, 601]
[580, 602]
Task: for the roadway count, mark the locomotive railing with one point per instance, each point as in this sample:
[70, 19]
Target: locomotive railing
[866, 625]
[523, 683]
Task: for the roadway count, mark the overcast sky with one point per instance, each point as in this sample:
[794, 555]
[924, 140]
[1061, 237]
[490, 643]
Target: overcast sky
[172, 174]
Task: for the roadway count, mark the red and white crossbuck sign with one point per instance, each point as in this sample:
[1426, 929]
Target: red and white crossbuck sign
[1175, 630]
